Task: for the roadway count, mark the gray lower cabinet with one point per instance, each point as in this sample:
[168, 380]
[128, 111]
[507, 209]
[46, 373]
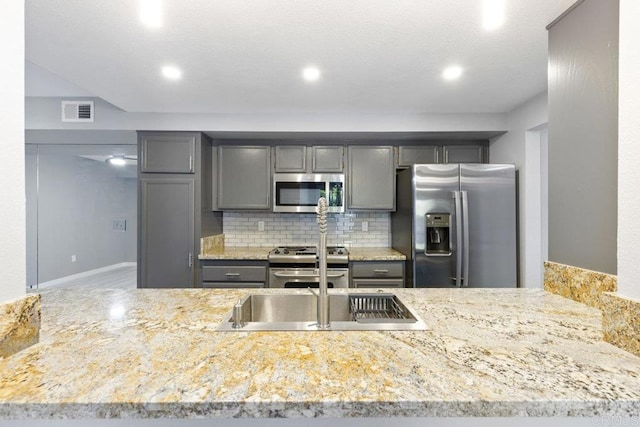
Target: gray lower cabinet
[371, 178]
[167, 152]
[244, 177]
[166, 248]
[377, 274]
[233, 274]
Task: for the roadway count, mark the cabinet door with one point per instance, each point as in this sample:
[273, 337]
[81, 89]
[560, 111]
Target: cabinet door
[291, 158]
[371, 178]
[244, 177]
[464, 154]
[328, 159]
[166, 232]
[167, 153]
[416, 155]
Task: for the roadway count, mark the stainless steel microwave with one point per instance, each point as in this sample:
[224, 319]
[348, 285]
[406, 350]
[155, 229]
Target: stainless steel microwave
[299, 192]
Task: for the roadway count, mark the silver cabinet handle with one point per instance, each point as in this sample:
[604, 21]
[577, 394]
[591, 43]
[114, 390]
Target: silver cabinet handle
[190, 260]
[380, 271]
[190, 163]
[232, 274]
[300, 276]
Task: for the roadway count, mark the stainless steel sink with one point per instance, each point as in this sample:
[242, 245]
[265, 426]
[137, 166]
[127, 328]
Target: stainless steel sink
[298, 312]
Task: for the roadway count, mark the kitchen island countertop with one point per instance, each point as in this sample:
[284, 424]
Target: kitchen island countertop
[148, 353]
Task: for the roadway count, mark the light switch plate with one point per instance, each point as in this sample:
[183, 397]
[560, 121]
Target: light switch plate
[365, 225]
[260, 225]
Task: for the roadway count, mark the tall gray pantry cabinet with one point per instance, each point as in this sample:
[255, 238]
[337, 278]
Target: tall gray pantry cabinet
[174, 207]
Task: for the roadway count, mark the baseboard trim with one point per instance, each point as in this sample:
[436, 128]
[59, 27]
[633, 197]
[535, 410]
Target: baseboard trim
[85, 274]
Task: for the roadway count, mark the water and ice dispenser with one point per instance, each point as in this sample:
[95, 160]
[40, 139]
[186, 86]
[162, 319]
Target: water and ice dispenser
[438, 242]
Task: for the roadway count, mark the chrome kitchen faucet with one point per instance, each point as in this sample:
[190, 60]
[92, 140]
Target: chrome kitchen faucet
[322, 295]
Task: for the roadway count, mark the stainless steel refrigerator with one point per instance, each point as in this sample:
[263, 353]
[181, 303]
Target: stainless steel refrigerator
[456, 224]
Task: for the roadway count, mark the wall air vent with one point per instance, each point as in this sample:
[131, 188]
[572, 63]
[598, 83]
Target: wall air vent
[77, 111]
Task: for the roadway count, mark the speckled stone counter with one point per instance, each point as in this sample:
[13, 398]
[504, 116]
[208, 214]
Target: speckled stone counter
[375, 254]
[254, 253]
[155, 353]
[238, 252]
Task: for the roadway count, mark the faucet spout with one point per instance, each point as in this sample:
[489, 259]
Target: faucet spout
[323, 294]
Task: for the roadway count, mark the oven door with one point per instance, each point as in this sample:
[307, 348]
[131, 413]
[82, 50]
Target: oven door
[296, 278]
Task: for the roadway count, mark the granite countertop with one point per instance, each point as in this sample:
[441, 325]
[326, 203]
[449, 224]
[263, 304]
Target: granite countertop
[375, 254]
[256, 253]
[238, 252]
[155, 353]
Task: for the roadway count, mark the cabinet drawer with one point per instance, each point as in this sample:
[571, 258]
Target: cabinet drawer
[378, 283]
[377, 269]
[234, 274]
[232, 285]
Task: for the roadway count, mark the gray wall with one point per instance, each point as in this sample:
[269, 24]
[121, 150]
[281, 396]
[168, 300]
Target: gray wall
[583, 58]
[77, 201]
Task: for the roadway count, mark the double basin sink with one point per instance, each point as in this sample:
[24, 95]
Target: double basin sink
[298, 312]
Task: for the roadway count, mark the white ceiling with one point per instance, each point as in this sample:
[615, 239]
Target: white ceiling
[246, 56]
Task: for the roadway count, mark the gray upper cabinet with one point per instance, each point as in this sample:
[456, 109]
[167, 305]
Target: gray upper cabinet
[291, 158]
[309, 159]
[371, 179]
[328, 159]
[465, 154]
[409, 155]
[167, 232]
[167, 152]
[244, 177]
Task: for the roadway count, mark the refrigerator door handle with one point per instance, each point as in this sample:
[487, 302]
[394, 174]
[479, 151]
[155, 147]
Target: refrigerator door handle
[465, 231]
[458, 251]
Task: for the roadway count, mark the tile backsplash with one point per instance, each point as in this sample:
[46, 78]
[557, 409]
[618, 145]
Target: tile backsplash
[242, 229]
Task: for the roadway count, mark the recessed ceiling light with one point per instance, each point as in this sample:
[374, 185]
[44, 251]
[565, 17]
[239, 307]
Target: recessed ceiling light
[453, 72]
[493, 14]
[171, 72]
[311, 74]
[151, 13]
[117, 160]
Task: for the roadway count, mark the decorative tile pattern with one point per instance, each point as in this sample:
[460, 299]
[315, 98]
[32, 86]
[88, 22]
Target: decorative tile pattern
[241, 229]
[19, 324]
[144, 353]
[578, 284]
[621, 322]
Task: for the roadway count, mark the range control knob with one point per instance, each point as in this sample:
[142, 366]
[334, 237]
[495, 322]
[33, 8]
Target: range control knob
[286, 251]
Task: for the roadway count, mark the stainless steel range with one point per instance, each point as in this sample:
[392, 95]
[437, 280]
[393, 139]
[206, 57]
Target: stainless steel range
[296, 267]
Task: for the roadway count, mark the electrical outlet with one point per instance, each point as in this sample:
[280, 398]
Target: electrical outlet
[119, 225]
[260, 225]
[365, 225]
[73, 258]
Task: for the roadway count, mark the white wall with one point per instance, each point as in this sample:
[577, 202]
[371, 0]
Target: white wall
[629, 151]
[12, 177]
[521, 145]
[44, 113]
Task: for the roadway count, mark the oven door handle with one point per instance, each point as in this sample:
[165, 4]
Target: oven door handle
[295, 275]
